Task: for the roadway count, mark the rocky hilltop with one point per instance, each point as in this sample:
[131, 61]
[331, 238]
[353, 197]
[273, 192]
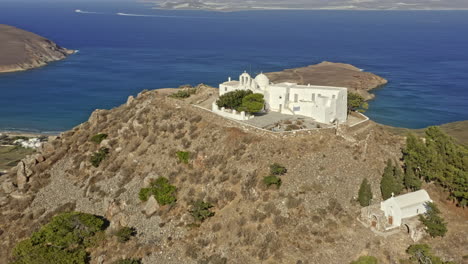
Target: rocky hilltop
[332, 74]
[22, 50]
[310, 218]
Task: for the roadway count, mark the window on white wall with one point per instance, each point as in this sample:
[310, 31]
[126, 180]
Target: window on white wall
[296, 98]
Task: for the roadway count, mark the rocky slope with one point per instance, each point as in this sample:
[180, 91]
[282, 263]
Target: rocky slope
[332, 74]
[22, 50]
[311, 218]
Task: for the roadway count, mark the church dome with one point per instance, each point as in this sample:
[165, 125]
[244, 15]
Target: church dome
[262, 80]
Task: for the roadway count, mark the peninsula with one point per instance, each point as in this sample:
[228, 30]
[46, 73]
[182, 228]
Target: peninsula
[22, 50]
[331, 74]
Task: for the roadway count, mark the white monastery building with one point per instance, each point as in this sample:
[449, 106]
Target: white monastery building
[404, 206]
[325, 104]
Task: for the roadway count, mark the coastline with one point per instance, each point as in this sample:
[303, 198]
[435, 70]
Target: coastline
[26, 67]
[18, 133]
[306, 9]
[229, 10]
[21, 50]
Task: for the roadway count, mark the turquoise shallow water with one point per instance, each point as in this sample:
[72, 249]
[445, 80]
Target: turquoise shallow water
[422, 54]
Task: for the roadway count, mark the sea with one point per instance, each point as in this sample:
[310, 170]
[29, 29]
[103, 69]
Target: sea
[126, 47]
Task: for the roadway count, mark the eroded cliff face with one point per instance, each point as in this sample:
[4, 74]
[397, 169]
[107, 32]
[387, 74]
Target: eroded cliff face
[332, 74]
[22, 50]
[311, 218]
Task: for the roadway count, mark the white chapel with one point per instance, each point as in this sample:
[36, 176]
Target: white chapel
[325, 104]
[404, 206]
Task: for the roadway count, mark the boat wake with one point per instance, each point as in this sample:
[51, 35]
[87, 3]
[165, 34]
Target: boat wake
[135, 15]
[143, 15]
[86, 12]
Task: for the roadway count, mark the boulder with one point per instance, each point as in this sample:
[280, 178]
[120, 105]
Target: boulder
[151, 206]
[21, 176]
[115, 215]
[112, 210]
[105, 144]
[148, 179]
[24, 169]
[46, 148]
[117, 222]
[3, 201]
[39, 158]
[100, 259]
[130, 100]
[8, 187]
[136, 124]
[51, 138]
[186, 219]
[97, 116]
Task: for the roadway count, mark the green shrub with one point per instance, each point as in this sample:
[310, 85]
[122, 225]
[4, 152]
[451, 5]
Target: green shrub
[365, 260]
[145, 194]
[99, 156]
[277, 169]
[410, 180]
[252, 103]
[356, 103]
[232, 100]
[162, 190]
[128, 261]
[421, 253]
[98, 138]
[201, 210]
[185, 93]
[183, 156]
[63, 240]
[365, 193]
[125, 233]
[392, 181]
[435, 224]
[439, 159]
[272, 180]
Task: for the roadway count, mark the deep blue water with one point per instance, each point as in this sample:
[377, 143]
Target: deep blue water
[423, 55]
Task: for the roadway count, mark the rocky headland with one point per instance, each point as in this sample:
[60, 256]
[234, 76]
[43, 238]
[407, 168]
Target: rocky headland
[22, 50]
[332, 74]
[311, 218]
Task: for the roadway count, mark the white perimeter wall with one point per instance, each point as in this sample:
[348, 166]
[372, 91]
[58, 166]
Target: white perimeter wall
[233, 114]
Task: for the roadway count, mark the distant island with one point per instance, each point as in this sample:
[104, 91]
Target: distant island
[226, 5]
[22, 50]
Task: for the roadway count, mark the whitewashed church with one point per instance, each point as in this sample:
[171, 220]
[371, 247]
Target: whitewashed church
[396, 209]
[325, 104]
